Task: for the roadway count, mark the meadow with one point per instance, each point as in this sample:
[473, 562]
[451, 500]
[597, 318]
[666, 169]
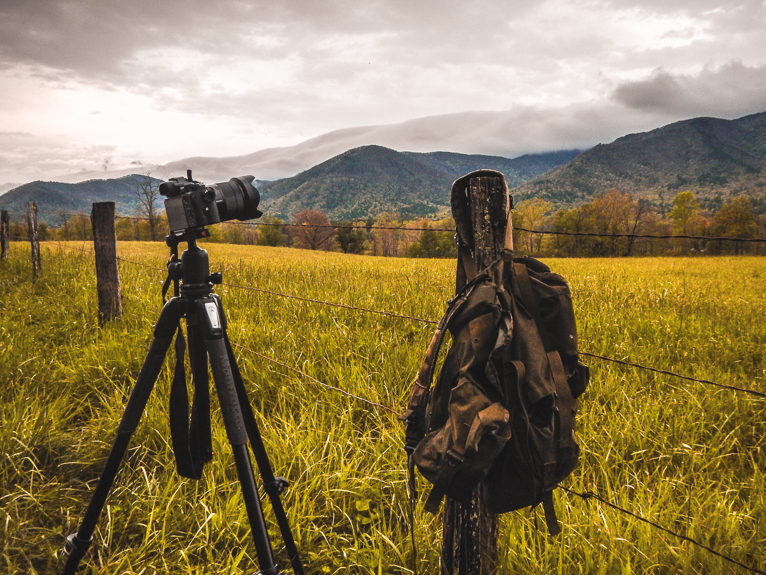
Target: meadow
[687, 456]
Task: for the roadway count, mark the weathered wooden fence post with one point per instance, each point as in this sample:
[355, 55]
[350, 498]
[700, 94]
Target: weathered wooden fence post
[5, 231]
[107, 272]
[469, 530]
[34, 238]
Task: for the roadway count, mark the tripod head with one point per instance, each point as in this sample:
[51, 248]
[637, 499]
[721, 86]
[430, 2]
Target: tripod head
[193, 269]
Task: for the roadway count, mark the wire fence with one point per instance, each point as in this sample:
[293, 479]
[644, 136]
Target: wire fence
[364, 227]
[434, 322]
[588, 495]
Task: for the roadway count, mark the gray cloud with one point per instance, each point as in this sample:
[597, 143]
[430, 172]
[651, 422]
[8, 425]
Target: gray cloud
[509, 133]
[729, 91]
[102, 42]
[33, 158]
[169, 49]
[4, 135]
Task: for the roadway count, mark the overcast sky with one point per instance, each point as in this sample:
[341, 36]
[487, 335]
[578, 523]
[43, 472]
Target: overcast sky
[88, 84]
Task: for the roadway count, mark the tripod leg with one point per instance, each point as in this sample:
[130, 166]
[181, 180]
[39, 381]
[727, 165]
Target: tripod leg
[77, 543]
[273, 485]
[209, 314]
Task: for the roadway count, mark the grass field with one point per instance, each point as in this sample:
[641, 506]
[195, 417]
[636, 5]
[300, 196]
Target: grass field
[685, 455]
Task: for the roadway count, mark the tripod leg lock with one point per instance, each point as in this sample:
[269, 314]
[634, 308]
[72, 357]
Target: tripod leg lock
[76, 546]
[278, 485]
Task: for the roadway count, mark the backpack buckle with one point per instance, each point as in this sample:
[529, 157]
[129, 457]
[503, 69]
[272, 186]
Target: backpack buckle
[454, 458]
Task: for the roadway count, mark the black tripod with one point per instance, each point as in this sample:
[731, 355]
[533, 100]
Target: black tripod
[206, 331]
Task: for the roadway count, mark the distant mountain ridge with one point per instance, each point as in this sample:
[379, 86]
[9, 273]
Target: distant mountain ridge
[370, 180]
[53, 197]
[356, 184]
[708, 156]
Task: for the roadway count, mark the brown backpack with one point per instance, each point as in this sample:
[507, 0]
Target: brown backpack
[503, 407]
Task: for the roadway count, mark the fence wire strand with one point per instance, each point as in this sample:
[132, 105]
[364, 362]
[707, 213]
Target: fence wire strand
[654, 369]
[590, 495]
[315, 380]
[332, 304]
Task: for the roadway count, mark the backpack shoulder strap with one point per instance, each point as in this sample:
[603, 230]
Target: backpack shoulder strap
[425, 375]
[565, 400]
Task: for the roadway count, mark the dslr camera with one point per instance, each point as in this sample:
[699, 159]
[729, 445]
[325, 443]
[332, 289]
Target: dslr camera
[191, 205]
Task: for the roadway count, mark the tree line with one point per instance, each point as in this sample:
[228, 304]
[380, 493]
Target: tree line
[389, 234]
[308, 229]
[615, 212]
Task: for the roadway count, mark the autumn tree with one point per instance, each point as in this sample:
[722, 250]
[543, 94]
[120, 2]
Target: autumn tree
[613, 213]
[684, 213]
[351, 238]
[311, 230]
[736, 219]
[77, 227]
[436, 241]
[270, 232]
[619, 213]
[387, 242]
[534, 215]
[124, 229]
[63, 229]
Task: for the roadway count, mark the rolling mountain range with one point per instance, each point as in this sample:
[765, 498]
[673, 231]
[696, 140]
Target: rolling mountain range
[708, 156]
[371, 180]
[356, 184]
[713, 158]
[509, 133]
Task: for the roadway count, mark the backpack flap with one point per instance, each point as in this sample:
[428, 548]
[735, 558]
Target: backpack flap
[457, 456]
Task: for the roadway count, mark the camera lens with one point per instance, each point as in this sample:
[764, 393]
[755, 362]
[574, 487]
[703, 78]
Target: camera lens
[237, 198]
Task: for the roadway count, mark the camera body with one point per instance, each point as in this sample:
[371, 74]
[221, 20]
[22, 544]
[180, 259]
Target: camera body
[193, 205]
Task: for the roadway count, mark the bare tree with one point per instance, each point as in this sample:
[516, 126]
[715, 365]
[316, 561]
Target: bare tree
[148, 194]
[63, 219]
[311, 230]
[388, 240]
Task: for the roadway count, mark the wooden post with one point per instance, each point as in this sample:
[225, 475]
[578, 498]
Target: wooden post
[469, 530]
[5, 232]
[34, 239]
[107, 272]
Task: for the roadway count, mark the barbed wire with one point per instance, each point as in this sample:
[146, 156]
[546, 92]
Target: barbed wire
[647, 236]
[340, 305]
[118, 258]
[315, 380]
[434, 322]
[591, 495]
[665, 372]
